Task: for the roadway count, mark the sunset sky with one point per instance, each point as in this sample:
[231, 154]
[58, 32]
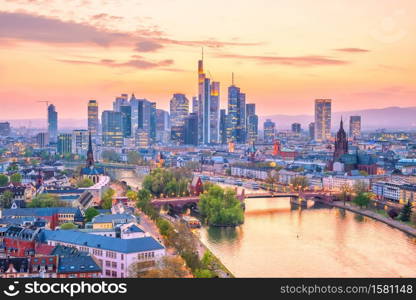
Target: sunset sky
[284, 53]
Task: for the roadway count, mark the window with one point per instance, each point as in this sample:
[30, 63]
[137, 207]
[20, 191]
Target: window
[114, 265]
[114, 274]
[107, 273]
[107, 263]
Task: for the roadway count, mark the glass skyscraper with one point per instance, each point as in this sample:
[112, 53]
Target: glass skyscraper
[269, 129]
[52, 124]
[214, 112]
[322, 119]
[112, 128]
[93, 122]
[355, 127]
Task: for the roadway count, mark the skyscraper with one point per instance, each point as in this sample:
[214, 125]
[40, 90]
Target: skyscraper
[80, 139]
[355, 127]
[206, 113]
[214, 112]
[252, 123]
[93, 122]
[312, 130]
[269, 131]
[236, 128]
[42, 139]
[143, 117]
[125, 110]
[322, 119]
[5, 128]
[112, 128]
[179, 110]
[121, 100]
[52, 124]
[162, 126]
[191, 130]
[223, 127]
[195, 105]
[64, 144]
[201, 96]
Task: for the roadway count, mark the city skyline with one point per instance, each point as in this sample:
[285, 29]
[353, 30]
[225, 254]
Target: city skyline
[102, 51]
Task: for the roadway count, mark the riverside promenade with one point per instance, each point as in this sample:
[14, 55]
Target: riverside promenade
[368, 213]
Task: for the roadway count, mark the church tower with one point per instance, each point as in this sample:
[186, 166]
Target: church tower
[90, 154]
[341, 142]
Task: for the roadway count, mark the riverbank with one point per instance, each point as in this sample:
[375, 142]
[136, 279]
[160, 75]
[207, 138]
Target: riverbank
[368, 213]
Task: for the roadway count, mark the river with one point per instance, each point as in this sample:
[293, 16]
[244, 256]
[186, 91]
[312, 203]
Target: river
[280, 240]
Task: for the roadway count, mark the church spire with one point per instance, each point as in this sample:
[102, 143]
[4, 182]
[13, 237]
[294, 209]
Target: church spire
[90, 153]
[342, 124]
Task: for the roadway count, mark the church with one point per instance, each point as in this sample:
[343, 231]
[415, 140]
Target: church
[345, 161]
[90, 170]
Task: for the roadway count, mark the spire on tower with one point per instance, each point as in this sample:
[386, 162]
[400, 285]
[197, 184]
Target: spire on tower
[232, 78]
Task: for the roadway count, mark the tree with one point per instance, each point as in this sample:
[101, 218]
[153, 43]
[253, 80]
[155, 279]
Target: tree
[164, 227]
[68, 226]
[84, 183]
[362, 199]
[406, 212]
[345, 192]
[167, 267]
[6, 199]
[107, 198]
[134, 158]
[4, 180]
[299, 183]
[16, 178]
[90, 213]
[204, 273]
[110, 155]
[221, 207]
[45, 200]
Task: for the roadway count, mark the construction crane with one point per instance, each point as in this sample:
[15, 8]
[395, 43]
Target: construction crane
[47, 103]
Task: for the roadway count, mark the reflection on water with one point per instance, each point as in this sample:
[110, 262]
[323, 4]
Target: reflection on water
[283, 240]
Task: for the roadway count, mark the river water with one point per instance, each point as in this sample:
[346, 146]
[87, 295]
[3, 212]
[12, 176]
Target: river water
[282, 240]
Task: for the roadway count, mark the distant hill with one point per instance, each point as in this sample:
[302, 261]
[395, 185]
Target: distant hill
[41, 123]
[389, 118]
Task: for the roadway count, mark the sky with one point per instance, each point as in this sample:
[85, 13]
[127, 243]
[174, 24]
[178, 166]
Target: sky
[284, 53]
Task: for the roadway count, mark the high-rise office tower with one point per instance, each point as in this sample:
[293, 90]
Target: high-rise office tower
[322, 119]
[195, 105]
[179, 110]
[191, 130]
[206, 113]
[269, 131]
[126, 119]
[312, 130]
[121, 100]
[355, 127]
[162, 126]
[236, 128]
[80, 138]
[143, 116]
[223, 127]
[142, 138]
[93, 122]
[201, 97]
[296, 128]
[112, 129]
[64, 145]
[52, 124]
[252, 123]
[152, 119]
[214, 112]
[42, 139]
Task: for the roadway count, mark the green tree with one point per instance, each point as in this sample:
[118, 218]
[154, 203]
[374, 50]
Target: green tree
[221, 207]
[110, 156]
[164, 227]
[84, 183]
[299, 183]
[107, 198]
[90, 213]
[45, 200]
[16, 178]
[134, 158]
[406, 212]
[6, 199]
[345, 192]
[4, 180]
[362, 200]
[68, 226]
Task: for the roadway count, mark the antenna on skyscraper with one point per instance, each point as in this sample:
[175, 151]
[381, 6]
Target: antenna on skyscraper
[202, 53]
[232, 78]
